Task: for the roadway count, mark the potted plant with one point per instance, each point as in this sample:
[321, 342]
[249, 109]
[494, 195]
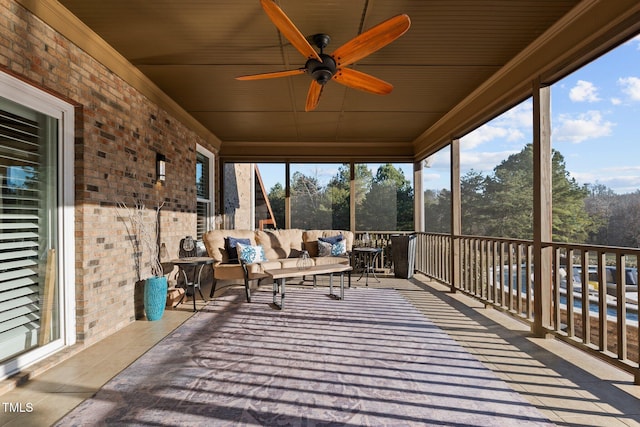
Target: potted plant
[144, 234]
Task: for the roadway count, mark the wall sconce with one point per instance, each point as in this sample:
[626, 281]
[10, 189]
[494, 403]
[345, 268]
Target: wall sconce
[161, 162]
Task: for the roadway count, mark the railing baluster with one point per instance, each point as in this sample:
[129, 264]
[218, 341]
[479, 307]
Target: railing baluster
[529, 282]
[518, 293]
[569, 290]
[496, 273]
[511, 273]
[557, 314]
[584, 279]
[621, 284]
[602, 301]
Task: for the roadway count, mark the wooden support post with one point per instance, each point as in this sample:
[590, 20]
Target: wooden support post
[456, 215]
[542, 210]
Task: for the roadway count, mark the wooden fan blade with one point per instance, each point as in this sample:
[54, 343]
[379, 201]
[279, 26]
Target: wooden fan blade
[313, 96]
[289, 30]
[272, 75]
[371, 40]
[362, 81]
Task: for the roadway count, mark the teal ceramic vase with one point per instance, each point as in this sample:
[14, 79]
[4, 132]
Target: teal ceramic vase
[155, 297]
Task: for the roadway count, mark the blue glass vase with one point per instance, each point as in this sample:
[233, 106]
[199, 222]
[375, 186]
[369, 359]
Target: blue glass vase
[155, 297]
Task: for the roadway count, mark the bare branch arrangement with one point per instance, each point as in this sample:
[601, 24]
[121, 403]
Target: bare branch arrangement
[144, 234]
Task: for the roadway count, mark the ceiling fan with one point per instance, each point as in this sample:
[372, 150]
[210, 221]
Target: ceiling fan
[322, 67]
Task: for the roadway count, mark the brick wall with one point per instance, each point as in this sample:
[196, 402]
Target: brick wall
[118, 132]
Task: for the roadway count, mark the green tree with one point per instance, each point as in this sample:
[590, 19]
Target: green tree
[474, 212]
[599, 205]
[276, 198]
[437, 211]
[389, 203]
[571, 222]
[338, 191]
[309, 208]
[510, 197]
[501, 205]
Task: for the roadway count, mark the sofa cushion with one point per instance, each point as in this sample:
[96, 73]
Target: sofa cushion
[222, 271]
[280, 244]
[256, 270]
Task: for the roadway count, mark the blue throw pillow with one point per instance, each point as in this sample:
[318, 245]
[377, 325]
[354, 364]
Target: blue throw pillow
[331, 239]
[230, 245]
[249, 254]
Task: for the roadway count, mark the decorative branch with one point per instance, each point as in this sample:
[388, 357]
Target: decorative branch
[143, 233]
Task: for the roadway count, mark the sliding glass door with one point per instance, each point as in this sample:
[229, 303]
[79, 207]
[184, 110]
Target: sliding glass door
[29, 304]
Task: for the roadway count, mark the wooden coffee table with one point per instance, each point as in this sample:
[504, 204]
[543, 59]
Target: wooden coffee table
[280, 275]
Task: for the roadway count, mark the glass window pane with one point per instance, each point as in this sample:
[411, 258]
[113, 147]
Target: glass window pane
[202, 176]
[437, 191]
[384, 197]
[320, 196]
[29, 297]
[204, 206]
[270, 196]
[496, 164]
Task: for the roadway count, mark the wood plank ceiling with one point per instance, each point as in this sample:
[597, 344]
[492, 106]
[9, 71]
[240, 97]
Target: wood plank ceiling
[193, 49]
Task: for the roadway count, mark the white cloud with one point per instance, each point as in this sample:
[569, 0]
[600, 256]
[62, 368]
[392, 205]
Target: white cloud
[520, 117]
[483, 162]
[428, 177]
[616, 101]
[440, 160]
[584, 91]
[584, 126]
[619, 181]
[631, 87]
[481, 135]
[512, 126]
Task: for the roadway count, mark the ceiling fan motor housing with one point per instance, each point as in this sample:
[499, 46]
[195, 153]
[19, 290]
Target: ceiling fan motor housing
[323, 71]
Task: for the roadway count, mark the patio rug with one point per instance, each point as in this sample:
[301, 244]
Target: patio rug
[370, 360]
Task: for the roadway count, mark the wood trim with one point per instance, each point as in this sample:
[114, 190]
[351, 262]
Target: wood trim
[342, 152]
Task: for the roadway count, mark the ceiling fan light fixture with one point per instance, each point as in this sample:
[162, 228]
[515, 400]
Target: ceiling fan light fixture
[323, 71]
[322, 75]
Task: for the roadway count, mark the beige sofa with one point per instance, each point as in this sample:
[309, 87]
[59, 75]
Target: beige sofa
[281, 248]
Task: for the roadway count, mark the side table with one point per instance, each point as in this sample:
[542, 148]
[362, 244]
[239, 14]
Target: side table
[370, 256]
[198, 263]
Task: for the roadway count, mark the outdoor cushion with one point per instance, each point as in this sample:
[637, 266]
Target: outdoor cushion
[230, 244]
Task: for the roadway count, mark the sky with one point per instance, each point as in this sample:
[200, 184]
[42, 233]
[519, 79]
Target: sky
[595, 125]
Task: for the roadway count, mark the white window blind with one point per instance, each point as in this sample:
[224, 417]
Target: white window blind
[203, 191]
[25, 231]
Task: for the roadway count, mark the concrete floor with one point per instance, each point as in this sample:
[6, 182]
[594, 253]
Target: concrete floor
[567, 385]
